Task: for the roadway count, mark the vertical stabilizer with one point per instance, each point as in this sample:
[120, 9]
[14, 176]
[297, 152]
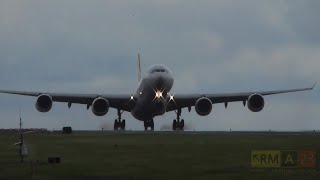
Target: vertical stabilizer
[139, 68]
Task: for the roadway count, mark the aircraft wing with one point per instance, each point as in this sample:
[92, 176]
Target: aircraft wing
[189, 100]
[116, 101]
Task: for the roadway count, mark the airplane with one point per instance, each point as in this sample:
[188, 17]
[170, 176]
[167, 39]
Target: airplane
[152, 98]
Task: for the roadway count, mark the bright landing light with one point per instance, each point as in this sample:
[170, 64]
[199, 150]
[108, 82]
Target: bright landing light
[158, 94]
[171, 98]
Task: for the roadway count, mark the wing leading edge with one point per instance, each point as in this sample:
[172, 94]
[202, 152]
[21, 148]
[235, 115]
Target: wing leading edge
[189, 100]
[116, 101]
[180, 101]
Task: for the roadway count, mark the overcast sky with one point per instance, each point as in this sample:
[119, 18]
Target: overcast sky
[211, 46]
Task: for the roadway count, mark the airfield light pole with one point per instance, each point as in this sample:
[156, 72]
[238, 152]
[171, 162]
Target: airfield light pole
[21, 138]
[23, 148]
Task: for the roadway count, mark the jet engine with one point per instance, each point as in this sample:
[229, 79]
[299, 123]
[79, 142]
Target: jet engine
[203, 106]
[44, 103]
[100, 106]
[256, 102]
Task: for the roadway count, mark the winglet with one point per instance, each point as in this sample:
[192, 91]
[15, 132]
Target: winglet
[314, 84]
[139, 67]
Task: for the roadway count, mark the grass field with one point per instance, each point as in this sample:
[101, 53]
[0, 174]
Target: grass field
[106, 155]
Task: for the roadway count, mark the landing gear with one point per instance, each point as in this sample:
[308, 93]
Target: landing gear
[177, 123]
[150, 124]
[118, 123]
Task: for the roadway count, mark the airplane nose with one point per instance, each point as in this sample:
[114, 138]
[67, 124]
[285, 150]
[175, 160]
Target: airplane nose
[161, 80]
[163, 83]
[160, 83]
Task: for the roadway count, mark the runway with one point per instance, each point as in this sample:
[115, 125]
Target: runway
[265, 133]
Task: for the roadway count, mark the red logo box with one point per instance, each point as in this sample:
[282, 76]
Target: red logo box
[307, 159]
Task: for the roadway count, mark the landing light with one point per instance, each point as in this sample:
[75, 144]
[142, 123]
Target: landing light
[171, 97]
[131, 98]
[158, 94]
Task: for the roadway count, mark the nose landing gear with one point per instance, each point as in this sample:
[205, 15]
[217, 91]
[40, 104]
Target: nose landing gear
[177, 123]
[118, 123]
[150, 124]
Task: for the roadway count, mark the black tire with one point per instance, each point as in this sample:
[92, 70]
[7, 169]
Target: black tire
[182, 124]
[115, 125]
[152, 124]
[145, 125]
[174, 125]
[123, 124]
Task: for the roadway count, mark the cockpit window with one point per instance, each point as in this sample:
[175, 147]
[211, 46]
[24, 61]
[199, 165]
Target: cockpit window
[158, 70]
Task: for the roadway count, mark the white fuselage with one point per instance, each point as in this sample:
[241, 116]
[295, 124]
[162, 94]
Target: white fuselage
[152, 93]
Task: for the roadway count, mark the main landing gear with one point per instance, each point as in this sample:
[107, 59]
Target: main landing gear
[118, 123]
[150, 124]
[177, 123]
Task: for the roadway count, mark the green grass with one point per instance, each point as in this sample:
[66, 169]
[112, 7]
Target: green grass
[148, 156]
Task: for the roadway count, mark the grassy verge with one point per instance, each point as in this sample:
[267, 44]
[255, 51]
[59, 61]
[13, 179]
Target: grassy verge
[148, 156]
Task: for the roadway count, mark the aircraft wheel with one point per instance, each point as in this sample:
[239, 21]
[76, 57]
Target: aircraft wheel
[145, 125]
[182, 124]
[174, 125]
[152, 125]
[123, 124]
[115, 125]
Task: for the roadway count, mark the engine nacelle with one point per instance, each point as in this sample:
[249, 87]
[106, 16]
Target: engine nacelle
[100, 107]
[256, 102]
[44, 103]
[203, 106]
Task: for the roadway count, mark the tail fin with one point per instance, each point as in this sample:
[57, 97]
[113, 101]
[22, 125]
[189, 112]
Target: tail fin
[139, 67]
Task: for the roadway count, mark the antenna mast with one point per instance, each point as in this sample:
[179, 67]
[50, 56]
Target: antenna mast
[20, 123]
